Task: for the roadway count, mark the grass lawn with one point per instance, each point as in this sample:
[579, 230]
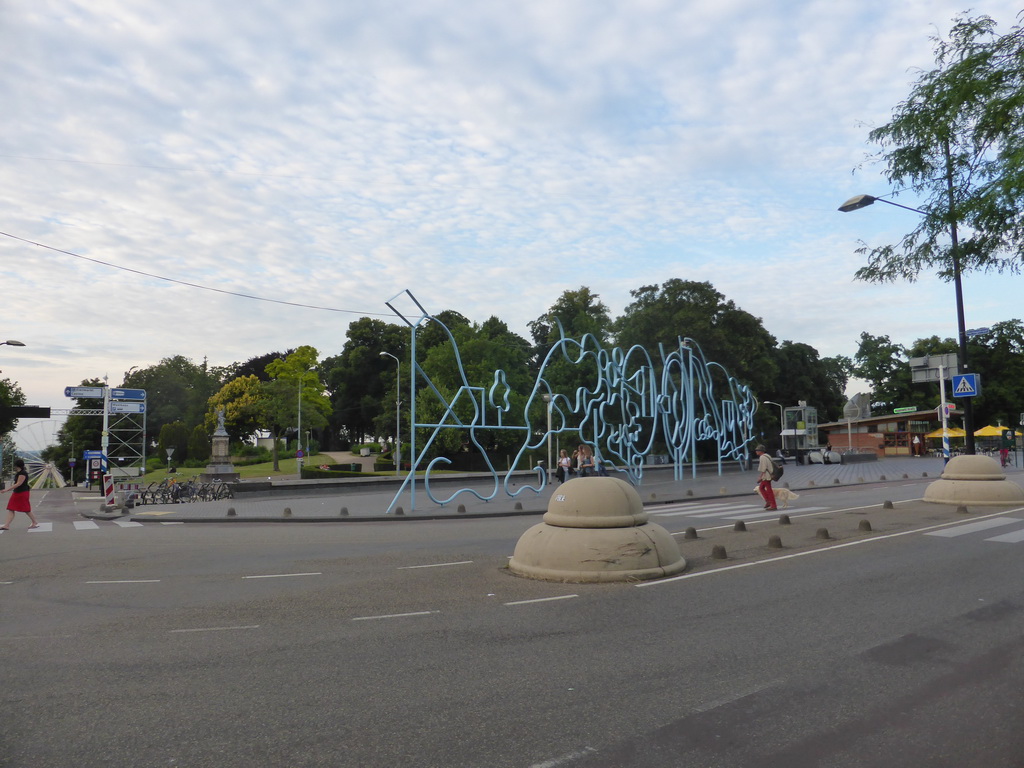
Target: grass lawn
[287, 466]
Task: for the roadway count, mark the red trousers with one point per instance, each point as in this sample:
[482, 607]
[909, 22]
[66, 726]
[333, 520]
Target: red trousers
[765, 487]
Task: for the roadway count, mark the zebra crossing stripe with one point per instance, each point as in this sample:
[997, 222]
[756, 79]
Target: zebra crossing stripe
[127, 523]
[1010, 538]
[43, 528]
[86, 525]
[776, 513]
[704, 511]
[981, 525]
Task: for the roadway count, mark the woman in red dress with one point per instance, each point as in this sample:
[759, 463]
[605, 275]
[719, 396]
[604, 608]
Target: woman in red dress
[19, 501]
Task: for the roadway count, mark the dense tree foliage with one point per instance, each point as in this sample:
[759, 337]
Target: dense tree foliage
[805, 376]
[294, 396]
[998, 357]
[10, 395]
[684, 308]
[956, 142]
[177, 389]
[484, 350]
[352, 395]
[78, 433]
[361, 382]
[241, 399]
[883, 364]
[576, 314]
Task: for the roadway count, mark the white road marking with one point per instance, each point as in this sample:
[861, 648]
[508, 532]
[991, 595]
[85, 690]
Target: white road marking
[433, 565]
[571, 757]
[86, 525]
[776, 513]
[127, 523]
[282, 575]
[126, 581]
[798, 554]
[981, 525]
[542, 600]
[394, 615]
[216, 629]
[702, 511]
[43, 528]
[1009, 538]
[654, 510]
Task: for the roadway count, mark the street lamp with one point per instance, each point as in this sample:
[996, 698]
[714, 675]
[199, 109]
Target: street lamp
[547, 402]
[863, 201]
[782, 423]
[398, 411]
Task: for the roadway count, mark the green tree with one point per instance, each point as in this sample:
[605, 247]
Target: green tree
[361, 382]
[177, 389]
[998, 357]
[805, 376]
[243, 402]
[10, 395]
[683, 308]
[257, 366]
[294, 380]
[484, 350]
[956, 142]
[579, 312]
[885, 365]
[79, 433]
[199, 444]
[174, 435]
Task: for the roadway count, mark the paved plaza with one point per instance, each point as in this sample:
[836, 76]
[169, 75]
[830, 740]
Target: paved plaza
[361, 499]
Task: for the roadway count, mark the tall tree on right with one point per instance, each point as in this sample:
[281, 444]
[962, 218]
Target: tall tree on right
[956, 142]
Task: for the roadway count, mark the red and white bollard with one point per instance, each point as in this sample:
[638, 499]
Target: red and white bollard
[108, 490]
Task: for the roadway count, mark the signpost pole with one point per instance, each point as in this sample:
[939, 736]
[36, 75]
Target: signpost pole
[105, 435]
[945, 414]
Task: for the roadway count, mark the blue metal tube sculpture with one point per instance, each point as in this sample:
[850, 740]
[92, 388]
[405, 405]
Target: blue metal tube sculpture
[622, 414]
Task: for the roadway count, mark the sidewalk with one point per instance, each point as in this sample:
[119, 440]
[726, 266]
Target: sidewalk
[369, 499]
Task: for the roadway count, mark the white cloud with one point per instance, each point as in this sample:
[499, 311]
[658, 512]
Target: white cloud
[486, 155]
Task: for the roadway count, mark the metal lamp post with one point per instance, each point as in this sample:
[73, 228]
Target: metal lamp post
[863, 201]
[547, 403]
[782, 422]
[398, 411]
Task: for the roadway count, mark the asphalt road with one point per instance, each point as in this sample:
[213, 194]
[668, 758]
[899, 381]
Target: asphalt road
[378, 644]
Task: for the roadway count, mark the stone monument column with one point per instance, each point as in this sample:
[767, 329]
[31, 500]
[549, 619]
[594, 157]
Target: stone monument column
[220, 466]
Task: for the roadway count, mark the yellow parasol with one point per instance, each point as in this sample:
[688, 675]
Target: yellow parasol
[953, 432]
[990, 431]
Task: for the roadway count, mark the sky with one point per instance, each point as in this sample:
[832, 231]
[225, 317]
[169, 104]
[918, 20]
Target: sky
[486, 156]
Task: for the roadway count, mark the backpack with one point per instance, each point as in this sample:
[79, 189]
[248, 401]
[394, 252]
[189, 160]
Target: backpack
[777, 469]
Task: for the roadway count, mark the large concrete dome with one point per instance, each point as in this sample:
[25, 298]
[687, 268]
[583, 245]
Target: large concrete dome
[596, 530]
[974, 480]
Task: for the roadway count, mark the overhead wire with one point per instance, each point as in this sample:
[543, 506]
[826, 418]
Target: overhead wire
[189, 284]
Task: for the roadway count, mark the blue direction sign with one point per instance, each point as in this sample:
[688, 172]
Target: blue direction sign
[83, 391]
[127, 407]
[966, 385]
[127, 394]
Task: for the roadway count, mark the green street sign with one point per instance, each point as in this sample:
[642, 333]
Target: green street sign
[908, 409]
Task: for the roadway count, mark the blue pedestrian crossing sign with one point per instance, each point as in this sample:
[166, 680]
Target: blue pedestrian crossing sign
[967, 385]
